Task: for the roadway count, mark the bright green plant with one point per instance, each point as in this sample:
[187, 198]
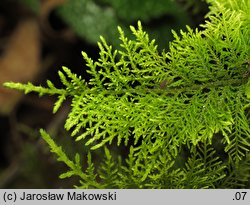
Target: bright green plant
[183, 115]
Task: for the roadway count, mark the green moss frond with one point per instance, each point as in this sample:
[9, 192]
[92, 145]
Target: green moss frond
[158, 105]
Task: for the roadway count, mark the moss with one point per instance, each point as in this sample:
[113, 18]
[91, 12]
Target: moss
[169, 131]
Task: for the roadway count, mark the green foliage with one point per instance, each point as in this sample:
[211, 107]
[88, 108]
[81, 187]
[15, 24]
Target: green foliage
[90, 19]
[167, 109]
[74, 166]
[131, 10]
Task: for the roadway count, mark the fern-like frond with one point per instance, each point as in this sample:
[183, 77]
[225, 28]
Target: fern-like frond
[109, 170]
[156, 103]
[203, 169]
[88, 178]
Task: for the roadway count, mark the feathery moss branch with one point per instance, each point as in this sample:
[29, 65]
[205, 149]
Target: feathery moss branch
[164, 103]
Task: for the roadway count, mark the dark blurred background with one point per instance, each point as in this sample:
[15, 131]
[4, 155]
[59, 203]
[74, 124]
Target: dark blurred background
[37, 37]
